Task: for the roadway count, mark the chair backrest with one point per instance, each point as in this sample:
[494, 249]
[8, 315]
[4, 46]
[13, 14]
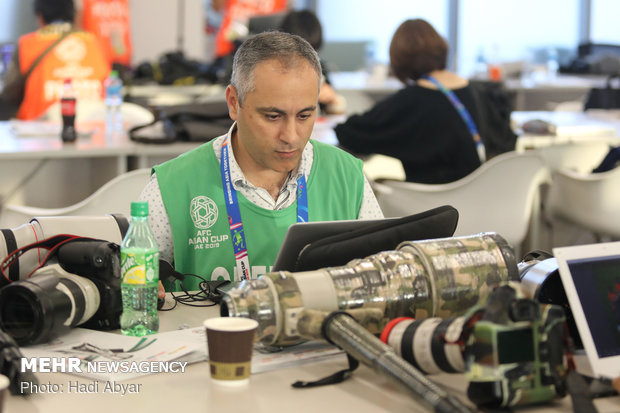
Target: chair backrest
[568, 106]
[502, 196]
[591, 201]
[114, 197]
[577, 156]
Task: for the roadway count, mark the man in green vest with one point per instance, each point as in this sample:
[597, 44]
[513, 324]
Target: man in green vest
[221, 211]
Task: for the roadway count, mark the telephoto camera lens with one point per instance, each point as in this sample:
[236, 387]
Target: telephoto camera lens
[46, 305]
[430, 345]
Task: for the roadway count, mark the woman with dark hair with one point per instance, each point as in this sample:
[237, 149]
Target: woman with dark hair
[430, 124]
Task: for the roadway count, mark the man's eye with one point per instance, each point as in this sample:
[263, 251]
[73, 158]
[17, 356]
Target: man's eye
[272, 116]
[304, 116]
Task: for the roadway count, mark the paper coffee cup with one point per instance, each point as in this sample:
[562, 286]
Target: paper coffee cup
[230, 341]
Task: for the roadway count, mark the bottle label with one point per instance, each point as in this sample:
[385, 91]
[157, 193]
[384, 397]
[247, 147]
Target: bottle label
[113, 90]
[67, 106]
[140, 268]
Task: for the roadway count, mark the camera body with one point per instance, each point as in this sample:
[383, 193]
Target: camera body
[98, 261]
[514, 354]
[79, 283]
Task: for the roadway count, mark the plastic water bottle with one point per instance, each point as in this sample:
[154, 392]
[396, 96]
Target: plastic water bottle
[113, 86]
[552, 64]
[67, 108]
[481, 69]
[140, 275]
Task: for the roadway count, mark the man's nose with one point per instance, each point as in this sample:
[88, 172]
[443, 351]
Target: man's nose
[289, 133]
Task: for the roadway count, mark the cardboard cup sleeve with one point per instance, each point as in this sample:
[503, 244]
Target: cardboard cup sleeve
[230, 343]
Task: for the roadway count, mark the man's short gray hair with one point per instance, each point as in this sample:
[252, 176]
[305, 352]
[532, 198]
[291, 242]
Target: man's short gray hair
[284, 47]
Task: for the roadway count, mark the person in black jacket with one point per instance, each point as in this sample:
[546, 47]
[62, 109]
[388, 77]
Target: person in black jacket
[419, 124]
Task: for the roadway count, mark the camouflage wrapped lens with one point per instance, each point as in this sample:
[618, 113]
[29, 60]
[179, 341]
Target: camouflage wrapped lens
[433, 278]
[462, 270]
[515, 353]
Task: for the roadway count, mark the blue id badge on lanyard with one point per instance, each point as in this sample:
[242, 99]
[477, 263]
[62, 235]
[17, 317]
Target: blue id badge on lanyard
[464, 113]
[234, 214]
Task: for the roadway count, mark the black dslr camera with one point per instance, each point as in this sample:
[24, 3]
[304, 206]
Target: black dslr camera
[78, 285]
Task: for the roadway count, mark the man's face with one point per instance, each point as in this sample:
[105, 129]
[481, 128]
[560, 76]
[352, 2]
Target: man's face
[275, 120]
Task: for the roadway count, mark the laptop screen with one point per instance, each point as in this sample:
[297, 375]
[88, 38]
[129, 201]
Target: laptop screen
[597, 281]
[591, 279]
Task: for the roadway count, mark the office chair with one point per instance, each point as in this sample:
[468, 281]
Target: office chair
[580, 156]
[589, 201]
[115, 196]
[502, 196]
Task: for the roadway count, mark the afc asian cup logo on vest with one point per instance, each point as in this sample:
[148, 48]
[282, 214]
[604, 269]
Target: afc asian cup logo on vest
[203, 212]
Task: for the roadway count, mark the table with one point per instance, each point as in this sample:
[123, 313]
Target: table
[526, 94]
[268, 392]
[40, 170]
[531, 94]
[593, 126]
[156, 95]
[36, 167]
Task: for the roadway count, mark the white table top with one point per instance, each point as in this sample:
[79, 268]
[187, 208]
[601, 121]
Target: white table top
[578, 127]
[33, 140]
[267, 392]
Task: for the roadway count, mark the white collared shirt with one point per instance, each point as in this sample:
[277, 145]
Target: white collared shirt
[160, 223]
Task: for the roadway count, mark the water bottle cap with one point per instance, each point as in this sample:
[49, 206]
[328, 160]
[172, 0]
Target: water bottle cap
[114, 73]
[139, 209]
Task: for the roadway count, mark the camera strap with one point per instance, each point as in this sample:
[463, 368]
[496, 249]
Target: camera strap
[337, 377]
[50, 244]
[579, 392]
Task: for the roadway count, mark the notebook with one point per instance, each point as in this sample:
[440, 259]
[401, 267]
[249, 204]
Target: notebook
[591, 278]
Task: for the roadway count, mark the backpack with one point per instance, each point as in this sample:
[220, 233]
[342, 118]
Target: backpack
[494, 109]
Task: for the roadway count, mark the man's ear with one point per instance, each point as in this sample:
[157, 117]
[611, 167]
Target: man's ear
[232, 99]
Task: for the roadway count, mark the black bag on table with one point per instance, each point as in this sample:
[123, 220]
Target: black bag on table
[338, 250]
[185, 123]
[494, 109]
[607, 97]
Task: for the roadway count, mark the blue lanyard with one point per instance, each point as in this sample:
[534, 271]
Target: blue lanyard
[463, 112]
[234, 214]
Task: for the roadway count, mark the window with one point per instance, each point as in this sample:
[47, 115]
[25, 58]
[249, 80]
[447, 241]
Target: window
[515, 30]
[346, 20]
[604, 22]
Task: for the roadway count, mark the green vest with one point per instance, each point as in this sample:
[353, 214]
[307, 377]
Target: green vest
[192, 192]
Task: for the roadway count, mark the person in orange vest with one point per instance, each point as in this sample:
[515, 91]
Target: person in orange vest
[238, 12]
[78, 56]
[108, 20]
